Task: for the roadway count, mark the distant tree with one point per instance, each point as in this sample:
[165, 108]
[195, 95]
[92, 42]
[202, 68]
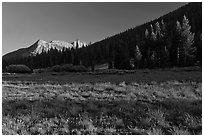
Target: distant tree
[158, 46]
[177, 42]
[122, 58]
[153, 36]
[149, 46]
[146, 34]
[161, 55]
[163, 28]
[164, 49]
[92, 57]
[154, 58]
[72, 52]
[157, 29]
[184, 39]
[52, 57]
[152, 48]
[145, 50]
[138, 57]
[187, 38]
[111, 57]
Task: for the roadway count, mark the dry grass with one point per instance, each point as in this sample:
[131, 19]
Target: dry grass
[102, 108]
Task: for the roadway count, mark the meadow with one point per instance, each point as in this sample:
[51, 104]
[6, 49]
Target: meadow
[141, 102]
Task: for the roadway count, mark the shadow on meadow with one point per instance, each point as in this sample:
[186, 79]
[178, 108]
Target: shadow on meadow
[170, 116]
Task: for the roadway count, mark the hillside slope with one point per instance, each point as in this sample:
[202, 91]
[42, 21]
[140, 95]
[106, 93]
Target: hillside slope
[126, 41]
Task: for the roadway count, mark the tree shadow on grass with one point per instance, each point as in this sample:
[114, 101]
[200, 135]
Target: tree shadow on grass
[129, 114]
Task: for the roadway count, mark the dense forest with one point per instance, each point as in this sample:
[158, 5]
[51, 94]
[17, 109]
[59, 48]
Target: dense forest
[174, 39]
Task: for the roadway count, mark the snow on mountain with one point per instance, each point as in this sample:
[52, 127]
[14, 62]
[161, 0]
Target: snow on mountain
[79, 44]
[43, 46]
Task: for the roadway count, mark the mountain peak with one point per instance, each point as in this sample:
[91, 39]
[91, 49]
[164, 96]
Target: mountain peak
[41, 46]
[40, 41]
[44, 46]
[79, 44]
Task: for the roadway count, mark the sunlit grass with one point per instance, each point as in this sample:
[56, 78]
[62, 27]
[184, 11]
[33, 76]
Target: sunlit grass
[171, 107]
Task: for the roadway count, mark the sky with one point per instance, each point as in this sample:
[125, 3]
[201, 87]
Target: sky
[25, 23]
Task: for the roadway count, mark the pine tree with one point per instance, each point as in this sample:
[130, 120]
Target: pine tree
[111, 57]
[149, 46]
[152, 35]
[145, 49]
[157, 29]
[138, 57]
[153, 40]
[154, 57]
[161, 44]
[187, 40]
[163, 29]
[146, 34]
[178, 41]
[184, 40]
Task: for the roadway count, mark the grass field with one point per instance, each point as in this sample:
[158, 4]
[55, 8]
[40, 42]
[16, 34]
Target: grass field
[139, 76]
[143, 102]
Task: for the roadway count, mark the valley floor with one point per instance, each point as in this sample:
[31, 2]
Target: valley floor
[113, 76]
[148, 102]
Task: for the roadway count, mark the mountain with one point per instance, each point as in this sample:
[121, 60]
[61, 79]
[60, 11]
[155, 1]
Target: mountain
[79, 44]
[43, 46]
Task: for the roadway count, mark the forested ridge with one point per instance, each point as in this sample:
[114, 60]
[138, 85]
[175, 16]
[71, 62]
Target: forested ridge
[174, 39]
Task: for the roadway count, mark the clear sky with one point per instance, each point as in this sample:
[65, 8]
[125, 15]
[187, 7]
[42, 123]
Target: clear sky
[25, 23]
